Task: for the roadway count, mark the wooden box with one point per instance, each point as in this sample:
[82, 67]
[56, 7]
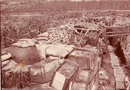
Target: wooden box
[84, 58]
[84, 76]
[78, 86]
[65, 74]
[88, 85]
[87, 79]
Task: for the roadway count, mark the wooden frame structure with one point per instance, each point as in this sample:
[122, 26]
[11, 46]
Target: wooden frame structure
[82, 33]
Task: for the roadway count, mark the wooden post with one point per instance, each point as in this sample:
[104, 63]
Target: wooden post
[106, 42]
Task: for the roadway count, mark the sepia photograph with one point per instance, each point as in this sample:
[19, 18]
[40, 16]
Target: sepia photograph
[65, 45]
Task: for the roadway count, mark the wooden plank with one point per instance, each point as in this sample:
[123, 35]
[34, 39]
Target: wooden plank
[118, 34]
[58, 81]
[85, 29]
[59, 77]
[106, 42]
[115, 27]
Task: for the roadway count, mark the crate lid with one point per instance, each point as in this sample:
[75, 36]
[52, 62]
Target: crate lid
[68, 68]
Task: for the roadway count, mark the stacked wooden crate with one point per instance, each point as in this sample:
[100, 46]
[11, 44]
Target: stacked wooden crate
[86, 58]
[85, 81]
[43, 37]
[87, 76]
[90, 64]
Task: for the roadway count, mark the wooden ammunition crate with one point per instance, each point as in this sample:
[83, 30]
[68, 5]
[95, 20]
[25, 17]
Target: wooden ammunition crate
[78, 86]
[84, 58]
[89, 85]
[65, 74]
[84, 76]
[87, 75]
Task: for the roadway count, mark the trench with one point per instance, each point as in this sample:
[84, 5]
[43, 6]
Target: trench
[118, 49]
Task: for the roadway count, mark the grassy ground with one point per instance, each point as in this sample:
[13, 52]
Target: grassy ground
[28, 25]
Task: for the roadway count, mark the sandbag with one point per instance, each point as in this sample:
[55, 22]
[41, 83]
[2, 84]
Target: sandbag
[37, 73]
[5, 56]
[19, 68]
[42, 72]
[42, 39]
[59, 50]
[45, 34]
[5, 63]
[24, 43]
[9, 65]
[29, 54]
[41, 50]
